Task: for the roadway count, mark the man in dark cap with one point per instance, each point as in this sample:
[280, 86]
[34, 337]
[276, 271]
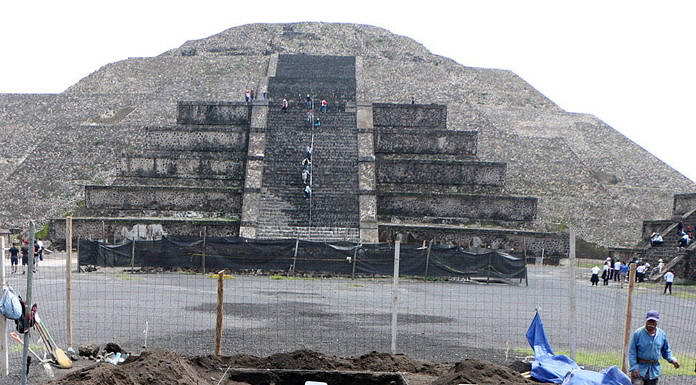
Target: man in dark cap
[648, 344]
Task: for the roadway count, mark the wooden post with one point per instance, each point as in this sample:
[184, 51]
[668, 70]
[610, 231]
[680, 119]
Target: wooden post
[205, 236]
[4, 353]
[395, 293]
[427, 258]
[68, 281]
[629, 317]
[218, 321]
[572, 308]
[104, 237]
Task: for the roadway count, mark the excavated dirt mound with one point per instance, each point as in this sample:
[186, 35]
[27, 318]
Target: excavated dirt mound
[478, 372]
[308, 359]
[153, 367]
[165, 368]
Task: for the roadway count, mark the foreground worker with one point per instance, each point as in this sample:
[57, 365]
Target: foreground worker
[648, 344]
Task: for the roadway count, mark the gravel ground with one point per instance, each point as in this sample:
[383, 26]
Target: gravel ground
[443, 321]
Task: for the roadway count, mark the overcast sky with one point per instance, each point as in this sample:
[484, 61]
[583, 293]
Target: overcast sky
[630, 63]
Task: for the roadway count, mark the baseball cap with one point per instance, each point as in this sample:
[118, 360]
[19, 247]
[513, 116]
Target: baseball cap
[652, 315]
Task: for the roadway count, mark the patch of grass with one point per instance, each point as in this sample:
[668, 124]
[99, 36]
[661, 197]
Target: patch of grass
[35, 347]
[356, 285]
[224, 276]
[290, 278]
[588, 265]
[43, 232]
[601, 359]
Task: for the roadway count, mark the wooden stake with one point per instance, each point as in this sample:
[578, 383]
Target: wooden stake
[218, 321]
[68, 281]
[629, 317]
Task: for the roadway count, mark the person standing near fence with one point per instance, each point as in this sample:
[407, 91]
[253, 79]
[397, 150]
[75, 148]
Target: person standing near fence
[595, 276]
[669, 280]
[647, 345]
[14, 257]
[606, 271]
[617, 270]
[623, 273]
[25, 257]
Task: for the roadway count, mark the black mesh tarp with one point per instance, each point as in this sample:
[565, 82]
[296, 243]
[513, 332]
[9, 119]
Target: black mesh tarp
[345, 258]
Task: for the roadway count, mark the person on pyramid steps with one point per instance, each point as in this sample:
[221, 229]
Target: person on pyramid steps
[25, 257]
[656, 239]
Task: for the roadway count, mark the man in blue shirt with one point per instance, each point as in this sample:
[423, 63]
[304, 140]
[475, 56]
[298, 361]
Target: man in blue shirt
[648, 344]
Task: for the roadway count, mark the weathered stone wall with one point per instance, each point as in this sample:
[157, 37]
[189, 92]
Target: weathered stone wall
[441, 142]
[197, 138]
[683, 203]
[518, 243]
[184, 165]
[121, 229]
[214, 113]
[441, 172]
[163, 198]
[466, 207]
[425, 116]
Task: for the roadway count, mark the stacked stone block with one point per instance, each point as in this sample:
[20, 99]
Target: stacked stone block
[189, 174]
[427, 173]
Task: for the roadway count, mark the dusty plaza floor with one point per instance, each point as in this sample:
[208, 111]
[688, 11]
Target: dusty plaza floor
[441, 321]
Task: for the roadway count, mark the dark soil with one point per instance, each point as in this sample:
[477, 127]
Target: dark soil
[479, 372]
[163, 368]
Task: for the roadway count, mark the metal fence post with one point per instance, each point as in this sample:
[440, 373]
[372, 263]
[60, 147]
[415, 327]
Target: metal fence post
[27, 312]
[68, 281]
[205, 239]
[4, 354]
[427, 258]
[572, 316]
[395, 293]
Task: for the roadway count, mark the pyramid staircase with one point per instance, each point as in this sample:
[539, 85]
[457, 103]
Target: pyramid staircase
[680, 261]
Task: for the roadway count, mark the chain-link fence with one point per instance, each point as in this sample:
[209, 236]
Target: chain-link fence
[267, 310]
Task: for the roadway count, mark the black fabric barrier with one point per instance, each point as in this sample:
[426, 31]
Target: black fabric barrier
[345, 258]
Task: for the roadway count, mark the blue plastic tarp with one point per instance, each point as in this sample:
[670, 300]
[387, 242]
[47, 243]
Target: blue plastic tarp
[561, 369]
[609, 376]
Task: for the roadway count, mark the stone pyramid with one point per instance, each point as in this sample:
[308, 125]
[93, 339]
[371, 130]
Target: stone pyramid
[584, 173]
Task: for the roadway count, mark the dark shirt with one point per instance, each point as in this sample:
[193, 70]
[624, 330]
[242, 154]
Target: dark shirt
[25, 252]
[14, 252]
